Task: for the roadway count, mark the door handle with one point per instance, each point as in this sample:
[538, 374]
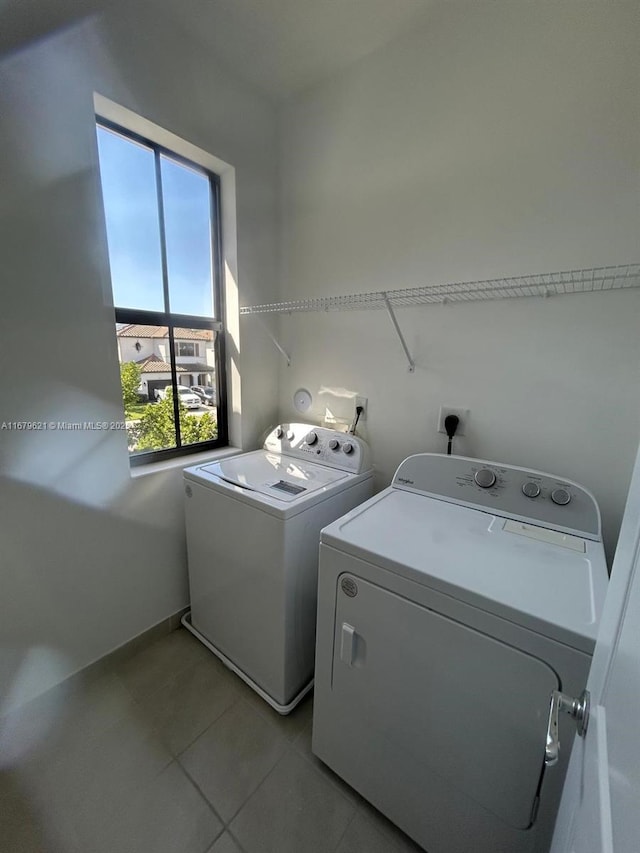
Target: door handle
[578, 709]
[347, 644]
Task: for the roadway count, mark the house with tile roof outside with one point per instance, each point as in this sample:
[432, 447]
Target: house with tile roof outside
[148, 348]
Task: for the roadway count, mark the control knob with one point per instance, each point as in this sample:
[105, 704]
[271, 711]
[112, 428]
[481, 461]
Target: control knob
[312, 438]
[561, 496]
[485, 478]
[347, 447]
[334, 444]
[531, 489]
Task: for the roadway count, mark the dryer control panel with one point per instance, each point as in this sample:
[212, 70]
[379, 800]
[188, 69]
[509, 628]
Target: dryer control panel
[505, 490]
[321, 445]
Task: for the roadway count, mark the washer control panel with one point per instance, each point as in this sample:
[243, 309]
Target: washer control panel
[505, 490]
[319, 444]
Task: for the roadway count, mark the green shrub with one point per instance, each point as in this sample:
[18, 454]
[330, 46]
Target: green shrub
[130, 381]
[156, 427]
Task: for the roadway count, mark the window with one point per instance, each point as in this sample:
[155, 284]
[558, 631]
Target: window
[162, 215]
[187, 348]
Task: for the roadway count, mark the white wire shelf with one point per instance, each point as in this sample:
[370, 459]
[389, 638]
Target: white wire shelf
[620, 277]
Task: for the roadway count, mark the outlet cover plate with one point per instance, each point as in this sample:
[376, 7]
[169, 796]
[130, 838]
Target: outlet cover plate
[463, 415]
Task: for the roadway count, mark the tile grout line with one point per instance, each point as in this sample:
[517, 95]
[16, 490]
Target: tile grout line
[206, 729]
[139, 701]
[290, 750]
[356, 812]
[279, 737]
[153, 736]
[311, 758]
[201, 793]
[291, 747]
[320, 775]
[235, 840]
[256, 789]
[211, 844]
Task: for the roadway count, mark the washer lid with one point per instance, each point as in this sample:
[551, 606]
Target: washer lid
[280, 477]
[551, 587]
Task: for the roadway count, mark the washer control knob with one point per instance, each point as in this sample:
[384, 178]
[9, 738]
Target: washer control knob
[531, 489]
[485, 478]
[279, 432]
[334, 444]
[561, 496]
[290, 435]
[347, 447]
[312, 438]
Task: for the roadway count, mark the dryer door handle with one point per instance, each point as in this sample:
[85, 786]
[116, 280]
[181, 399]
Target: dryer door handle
[348, 644]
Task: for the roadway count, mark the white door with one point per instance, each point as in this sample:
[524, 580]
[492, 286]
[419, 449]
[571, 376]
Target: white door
[600, 808]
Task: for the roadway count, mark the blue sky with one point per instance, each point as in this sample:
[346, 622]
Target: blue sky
[133, 232]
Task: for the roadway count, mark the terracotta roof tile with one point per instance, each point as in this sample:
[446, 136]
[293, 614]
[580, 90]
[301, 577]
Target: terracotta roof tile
[153, 364]
[137, 330]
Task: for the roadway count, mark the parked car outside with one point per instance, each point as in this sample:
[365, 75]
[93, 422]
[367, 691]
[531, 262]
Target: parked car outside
[206, 393]
[190, 400]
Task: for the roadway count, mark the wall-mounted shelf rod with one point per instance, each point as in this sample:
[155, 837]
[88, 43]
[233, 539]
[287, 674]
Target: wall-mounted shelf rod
[277, 344]
[392, 316]
[541, 284]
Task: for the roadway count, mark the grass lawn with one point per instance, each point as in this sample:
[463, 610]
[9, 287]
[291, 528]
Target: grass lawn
[134, 413]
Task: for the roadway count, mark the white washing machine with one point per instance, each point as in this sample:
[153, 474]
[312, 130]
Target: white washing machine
[253, 527]
[450, 606]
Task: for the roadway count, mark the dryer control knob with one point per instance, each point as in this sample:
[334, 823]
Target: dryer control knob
[485, 478]
[347, 447]
[334, 444]
[531, 489]
[290, 435]
[312, 438]
[279, 432]
[561, 496]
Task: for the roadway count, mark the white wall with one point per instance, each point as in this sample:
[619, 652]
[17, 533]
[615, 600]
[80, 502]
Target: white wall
[89, 556]
[504, 139]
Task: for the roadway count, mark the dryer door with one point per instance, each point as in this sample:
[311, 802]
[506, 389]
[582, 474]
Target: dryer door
[470, 709]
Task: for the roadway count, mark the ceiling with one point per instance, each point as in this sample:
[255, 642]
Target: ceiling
[278, 46]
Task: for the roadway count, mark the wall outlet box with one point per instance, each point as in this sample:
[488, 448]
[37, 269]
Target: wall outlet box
[362, 401]
[463, 416]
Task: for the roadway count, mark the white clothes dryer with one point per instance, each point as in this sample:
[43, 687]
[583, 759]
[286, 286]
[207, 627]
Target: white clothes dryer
[253, 528]
[450, 606]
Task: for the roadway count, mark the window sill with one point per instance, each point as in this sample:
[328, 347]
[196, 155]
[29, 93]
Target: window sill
[184, 461]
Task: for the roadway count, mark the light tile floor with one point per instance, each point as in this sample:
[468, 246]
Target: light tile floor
[170, 752]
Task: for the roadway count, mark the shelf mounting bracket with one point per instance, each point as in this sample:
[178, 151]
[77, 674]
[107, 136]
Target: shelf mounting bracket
[392, 317]
[276, 343]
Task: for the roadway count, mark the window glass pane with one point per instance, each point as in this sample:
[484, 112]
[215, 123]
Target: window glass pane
[197, 378]
[162, 253]
[145, 374]
[187, 218]
[127, 173]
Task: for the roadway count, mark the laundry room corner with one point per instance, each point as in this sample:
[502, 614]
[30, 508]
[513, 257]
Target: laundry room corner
[502, 142]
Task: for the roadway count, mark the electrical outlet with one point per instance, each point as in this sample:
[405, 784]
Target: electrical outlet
[463, 416]
[362, 401]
